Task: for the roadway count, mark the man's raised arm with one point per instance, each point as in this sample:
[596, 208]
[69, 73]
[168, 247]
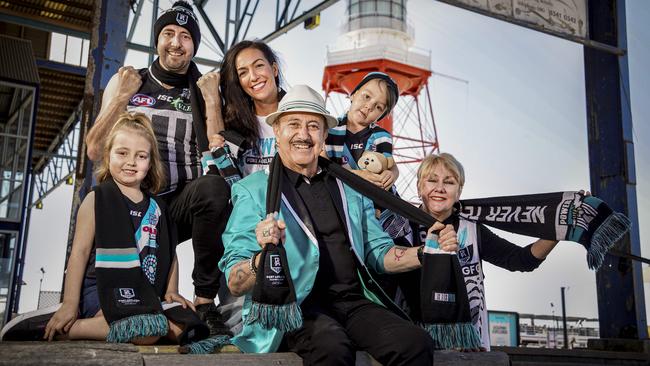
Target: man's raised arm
[122, 86]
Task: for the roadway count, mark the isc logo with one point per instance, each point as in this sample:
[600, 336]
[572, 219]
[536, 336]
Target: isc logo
[143, 100]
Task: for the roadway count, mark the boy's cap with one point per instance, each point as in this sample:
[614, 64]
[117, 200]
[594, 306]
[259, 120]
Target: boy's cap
[302, 98]
[393, 90]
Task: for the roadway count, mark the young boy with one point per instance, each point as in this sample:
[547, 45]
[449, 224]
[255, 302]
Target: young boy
[372, 100]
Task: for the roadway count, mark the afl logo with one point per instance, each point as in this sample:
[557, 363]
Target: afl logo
[143, 100]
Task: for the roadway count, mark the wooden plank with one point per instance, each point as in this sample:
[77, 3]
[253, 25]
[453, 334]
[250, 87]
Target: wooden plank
[550, 353]
[453, 358]
[441, 358]
[101, 353]
[157, 349]
[223, 359]
[68, 353]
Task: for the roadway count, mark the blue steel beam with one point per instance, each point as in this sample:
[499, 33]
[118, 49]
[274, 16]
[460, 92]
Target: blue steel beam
[152, 37]
[621, 304]
[106, 56]
[19, 262]
[136, 16]
[292, 23]
[62, 157]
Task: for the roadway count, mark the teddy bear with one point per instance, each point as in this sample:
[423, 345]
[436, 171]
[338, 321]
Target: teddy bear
[374, 162]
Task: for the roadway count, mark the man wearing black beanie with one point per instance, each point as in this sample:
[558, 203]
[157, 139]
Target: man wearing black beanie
[184, 111]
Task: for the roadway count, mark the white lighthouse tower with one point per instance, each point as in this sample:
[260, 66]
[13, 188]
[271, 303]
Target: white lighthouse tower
[377, 37]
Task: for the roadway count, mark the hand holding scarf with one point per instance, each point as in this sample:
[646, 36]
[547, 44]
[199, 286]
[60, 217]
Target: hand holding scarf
[274, 303]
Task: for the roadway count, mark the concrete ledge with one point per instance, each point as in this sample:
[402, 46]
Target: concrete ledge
[173, 349]
[101, 353]
[620, 345]
[68, 353]
[544, 356]
[451, 358]
[223, 359]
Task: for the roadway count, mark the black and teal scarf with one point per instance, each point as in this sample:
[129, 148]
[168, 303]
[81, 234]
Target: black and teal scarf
[132, 267]
[274, 303]
[129, 286]
[571, 216]
[221, 160]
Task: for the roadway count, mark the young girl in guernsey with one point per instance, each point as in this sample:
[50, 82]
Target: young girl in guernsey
[123, 261]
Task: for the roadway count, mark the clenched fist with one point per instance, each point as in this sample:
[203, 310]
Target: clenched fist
[129, 82]
[209, 86]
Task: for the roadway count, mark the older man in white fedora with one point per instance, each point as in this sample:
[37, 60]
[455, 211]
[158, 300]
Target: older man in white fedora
[331, 239]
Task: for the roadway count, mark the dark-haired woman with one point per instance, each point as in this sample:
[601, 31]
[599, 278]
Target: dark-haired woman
[249, 80]
[250, 86]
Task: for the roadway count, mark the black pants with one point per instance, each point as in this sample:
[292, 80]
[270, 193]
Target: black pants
[200, 210]
[332, 336]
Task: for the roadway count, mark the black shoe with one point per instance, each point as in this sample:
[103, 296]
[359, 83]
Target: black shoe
[28, 326]
[211, 316]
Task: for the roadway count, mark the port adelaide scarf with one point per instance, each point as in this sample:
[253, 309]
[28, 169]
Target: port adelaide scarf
[274, 303]
[131, 275]
[132, 268]
[444, 306]
[571, 216]
[221, 160]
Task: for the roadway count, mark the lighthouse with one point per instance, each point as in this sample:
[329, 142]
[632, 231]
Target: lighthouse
[376, 36]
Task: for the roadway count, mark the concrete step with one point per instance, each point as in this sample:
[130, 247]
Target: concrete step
[68, 353]
[223, 359]
[100, 353]
[520, 356]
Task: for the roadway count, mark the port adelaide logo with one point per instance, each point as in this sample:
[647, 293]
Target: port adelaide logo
[127, 293]
[276, 264]
[181, 19]
[142, 100]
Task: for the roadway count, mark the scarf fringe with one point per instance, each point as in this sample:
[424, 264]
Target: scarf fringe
[450, 336]
[605, 236]
[205, 346]
[284, 318]
[143, 325]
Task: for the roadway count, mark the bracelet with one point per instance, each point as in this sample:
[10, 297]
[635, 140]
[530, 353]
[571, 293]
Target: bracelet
[251, 263]
[420, 253]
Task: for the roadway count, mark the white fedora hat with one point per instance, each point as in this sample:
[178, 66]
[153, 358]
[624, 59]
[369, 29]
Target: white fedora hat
[302, 98]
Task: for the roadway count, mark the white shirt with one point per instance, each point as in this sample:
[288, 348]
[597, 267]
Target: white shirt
[261, 155]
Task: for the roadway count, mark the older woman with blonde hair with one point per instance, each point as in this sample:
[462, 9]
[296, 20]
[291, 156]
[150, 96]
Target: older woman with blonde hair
[440, 181]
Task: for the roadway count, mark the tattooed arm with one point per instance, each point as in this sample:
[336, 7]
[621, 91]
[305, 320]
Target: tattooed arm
[403, 259]
[241, 279]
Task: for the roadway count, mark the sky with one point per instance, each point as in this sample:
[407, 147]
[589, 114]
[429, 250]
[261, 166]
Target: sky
[517, 123]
